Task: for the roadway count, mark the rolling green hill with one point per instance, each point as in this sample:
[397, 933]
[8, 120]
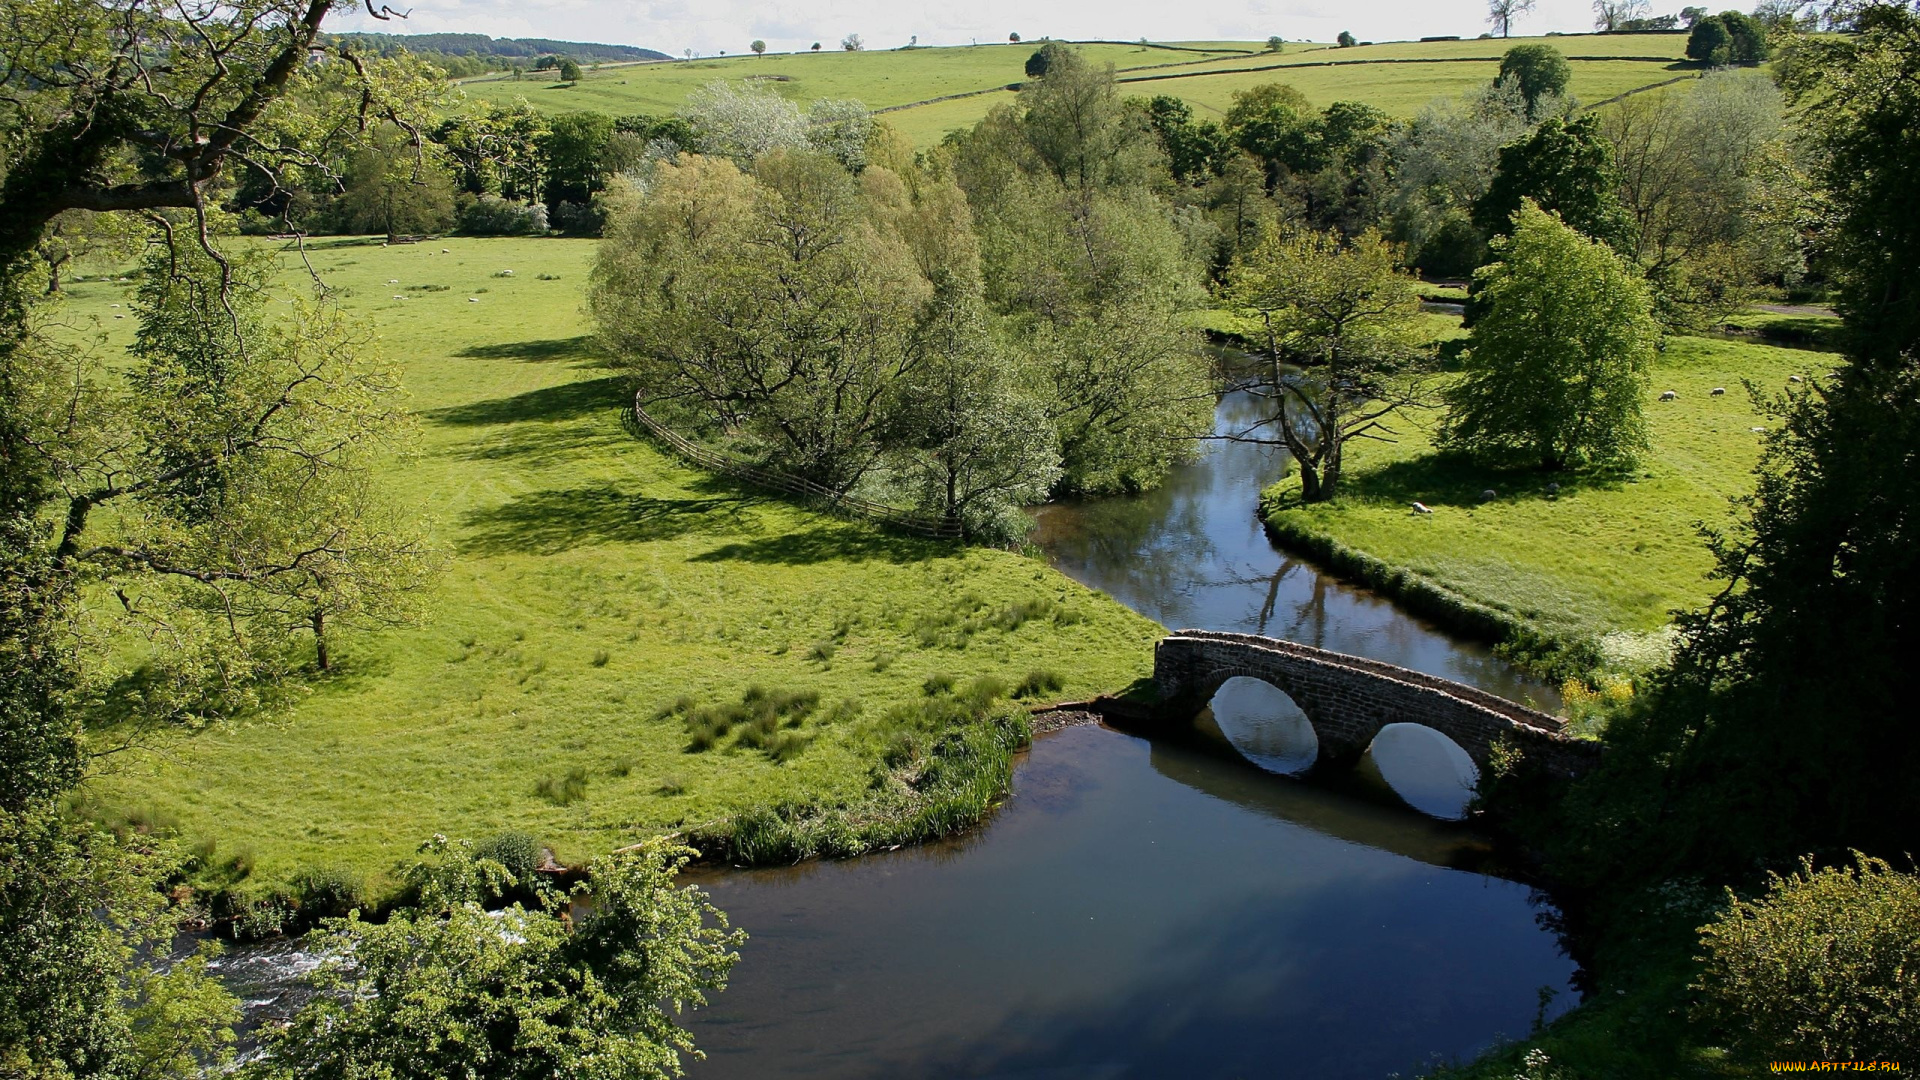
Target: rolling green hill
[916, 88]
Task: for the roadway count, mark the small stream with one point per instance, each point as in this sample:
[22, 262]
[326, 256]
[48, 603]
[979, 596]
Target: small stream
[1166, 907]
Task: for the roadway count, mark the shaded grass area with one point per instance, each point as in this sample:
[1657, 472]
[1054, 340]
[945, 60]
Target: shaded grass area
[593, 582]
[1607, 554]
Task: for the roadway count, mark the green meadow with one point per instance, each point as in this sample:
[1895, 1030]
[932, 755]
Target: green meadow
[592, 582]
[1606, 555]
[1399, 77]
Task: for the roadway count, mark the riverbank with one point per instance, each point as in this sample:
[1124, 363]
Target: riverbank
[1573, 580]
[603, 604]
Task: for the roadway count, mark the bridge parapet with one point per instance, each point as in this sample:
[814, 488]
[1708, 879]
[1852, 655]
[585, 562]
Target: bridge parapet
[1348, 699]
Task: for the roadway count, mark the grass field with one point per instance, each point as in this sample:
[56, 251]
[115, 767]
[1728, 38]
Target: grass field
[593, 581]
[1610, 555]
[1381, 75]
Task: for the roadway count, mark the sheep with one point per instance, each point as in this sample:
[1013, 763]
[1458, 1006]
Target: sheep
[1718, 390]
[1670, 395]
[1422, 508]
[1795, 378]
[1489, 495]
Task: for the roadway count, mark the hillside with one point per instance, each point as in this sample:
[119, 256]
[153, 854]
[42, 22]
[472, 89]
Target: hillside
[928, 92]
[466, 53]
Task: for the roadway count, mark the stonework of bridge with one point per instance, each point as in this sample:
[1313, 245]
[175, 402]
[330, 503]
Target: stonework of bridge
[1348, 699]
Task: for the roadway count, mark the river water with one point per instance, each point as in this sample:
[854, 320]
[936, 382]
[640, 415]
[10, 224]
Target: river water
[1168, 907]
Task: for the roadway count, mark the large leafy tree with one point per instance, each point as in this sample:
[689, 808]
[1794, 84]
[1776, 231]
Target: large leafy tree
[1540, 71]
[1565, 166]
[1341, 323]
[1557, 366]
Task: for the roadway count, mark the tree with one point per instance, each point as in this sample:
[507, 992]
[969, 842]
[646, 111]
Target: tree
[1346, 40]
[574, 149]
[816, 46]
[395, 188]
[1275, 43]
[1194, 151]
[79, 236]
[1609, 15]
[1691, 16]
[1044, 58]
[1564, 166]
[1540, 71]
[450, 989]
[1342, 326]
[758, 47]
[974, 447]
[852, 43]
[569, 69]
[768, 303]
[1501, 14]
[1727, 38]
[1013, 39]
[1557, 364]
[1443, 163]
[743, 123]
[1696, 170]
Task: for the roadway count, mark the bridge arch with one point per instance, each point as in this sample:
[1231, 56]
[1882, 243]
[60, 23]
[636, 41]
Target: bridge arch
[1264, 724]
[1349, 699]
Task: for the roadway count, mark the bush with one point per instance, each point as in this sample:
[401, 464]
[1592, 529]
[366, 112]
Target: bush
[578, 219]
[519, 852]
[1037, 682]
[1825, 966]
[327, 893]
[490, 215]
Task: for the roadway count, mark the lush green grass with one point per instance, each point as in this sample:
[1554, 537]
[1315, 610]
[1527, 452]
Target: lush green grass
[884, 79]
[1607, 554]
[593, 582]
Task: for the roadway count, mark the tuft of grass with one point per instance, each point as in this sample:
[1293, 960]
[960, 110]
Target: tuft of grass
[941, 683]
[671, 785]
[1037, 682]
[822, 651]
[563, 790]
[882, 661]
[600, 658]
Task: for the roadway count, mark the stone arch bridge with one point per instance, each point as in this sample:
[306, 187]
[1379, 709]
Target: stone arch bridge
[1348, 699]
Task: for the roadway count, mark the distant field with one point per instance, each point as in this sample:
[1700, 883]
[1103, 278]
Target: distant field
[593, 581]
[1206, 78]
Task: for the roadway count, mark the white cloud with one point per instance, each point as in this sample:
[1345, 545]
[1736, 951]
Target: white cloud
[712, 25]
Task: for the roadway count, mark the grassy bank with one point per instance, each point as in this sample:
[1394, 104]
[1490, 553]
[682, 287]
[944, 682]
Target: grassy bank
[1605, 560]
[593, 583]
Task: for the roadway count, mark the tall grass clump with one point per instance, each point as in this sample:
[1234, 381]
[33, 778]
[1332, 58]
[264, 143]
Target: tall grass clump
[563, 790]
[1039, 681]
[945, 762]
[761, 720]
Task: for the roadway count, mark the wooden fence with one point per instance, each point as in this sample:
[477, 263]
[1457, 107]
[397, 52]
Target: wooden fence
[837, 501]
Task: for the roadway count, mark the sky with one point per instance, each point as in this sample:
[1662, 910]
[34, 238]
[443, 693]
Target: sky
[709, 26]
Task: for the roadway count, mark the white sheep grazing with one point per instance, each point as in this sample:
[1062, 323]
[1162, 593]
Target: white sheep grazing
[506, 273]
[446, 251]
[1670, 395]
[1422, 508]
[1718, 390]
[393, 281]
[473, 299]
[1795, 378]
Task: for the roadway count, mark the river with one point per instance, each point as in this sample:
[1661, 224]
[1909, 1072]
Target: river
[1148, 908]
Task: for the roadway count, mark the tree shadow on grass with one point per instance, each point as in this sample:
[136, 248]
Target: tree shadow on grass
[828, 542]
[533, 352]
[1441, 479]
[566, 402]
[549, 522]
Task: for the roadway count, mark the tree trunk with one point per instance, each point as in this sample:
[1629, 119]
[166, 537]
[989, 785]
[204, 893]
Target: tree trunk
[319, 620]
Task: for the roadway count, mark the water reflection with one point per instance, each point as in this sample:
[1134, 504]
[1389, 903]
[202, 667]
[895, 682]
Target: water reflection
[1260, 721]
[1422, 766]
[1193, 554]
[1136, 909]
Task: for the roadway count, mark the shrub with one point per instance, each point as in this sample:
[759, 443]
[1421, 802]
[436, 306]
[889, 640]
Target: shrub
[519, 852]
[491, 215]
[327, 893]
[1825, 966]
